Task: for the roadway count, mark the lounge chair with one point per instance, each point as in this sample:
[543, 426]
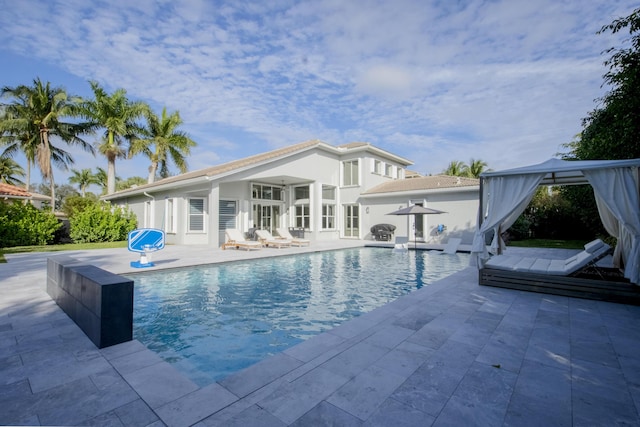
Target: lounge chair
[266, 239]
[593, 251]
[295, 241]
[401, 244]
[235, 239]
[452, 246]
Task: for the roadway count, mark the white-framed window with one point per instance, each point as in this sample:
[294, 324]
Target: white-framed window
[170, 221]
[351, 220]
[301, 196]
[196, 215]
[266, 192]
[399, 173]
[227, 213]
[377, 167]
[350, 173]
[328, 207]
[388, 169]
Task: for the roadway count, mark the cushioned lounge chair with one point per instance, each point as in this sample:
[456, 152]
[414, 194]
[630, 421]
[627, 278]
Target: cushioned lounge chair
[235, 239]
[452, 246]
[295, 241]
[266, 239]
[593, 251]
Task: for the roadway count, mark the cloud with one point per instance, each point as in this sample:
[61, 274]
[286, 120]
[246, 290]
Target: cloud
[505, 81]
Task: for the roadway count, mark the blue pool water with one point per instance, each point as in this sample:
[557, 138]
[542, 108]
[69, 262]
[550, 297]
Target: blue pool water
[211, 321]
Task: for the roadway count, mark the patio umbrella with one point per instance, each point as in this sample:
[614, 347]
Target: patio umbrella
[416, 210]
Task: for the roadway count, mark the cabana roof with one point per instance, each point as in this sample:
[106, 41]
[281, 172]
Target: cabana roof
[563, 172]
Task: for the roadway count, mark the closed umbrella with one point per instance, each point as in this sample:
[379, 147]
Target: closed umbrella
[416, 210]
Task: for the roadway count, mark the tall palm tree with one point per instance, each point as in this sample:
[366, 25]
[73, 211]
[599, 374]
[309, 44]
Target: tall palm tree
[17, 132]
[456, 168]
[161, 142]
[102, 179]
[10, 170]
[44, 108]
[83, 178]
[117, 116]
[476, 167]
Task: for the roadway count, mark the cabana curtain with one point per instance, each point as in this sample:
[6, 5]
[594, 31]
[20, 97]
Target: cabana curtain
[619, 207]
[616, 187]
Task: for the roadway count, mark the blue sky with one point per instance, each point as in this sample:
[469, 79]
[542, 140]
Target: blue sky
[505, 81]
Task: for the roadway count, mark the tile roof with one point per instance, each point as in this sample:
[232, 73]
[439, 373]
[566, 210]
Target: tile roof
[13, 191]
[423, 183]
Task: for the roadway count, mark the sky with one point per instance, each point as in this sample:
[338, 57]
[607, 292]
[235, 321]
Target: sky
[505, 81]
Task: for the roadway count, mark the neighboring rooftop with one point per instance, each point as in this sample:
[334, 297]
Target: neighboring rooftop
[423, 183]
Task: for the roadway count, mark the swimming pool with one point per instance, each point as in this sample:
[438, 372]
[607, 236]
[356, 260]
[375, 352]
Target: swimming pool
[211, 321]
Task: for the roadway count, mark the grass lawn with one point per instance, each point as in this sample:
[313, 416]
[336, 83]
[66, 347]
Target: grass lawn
[57, 248]
[549, 243]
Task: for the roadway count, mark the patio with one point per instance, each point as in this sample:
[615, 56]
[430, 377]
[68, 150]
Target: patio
[452, 353]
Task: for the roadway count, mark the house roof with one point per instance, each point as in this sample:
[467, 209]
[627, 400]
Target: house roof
[11, 191]
[423, 183]
[257, 159]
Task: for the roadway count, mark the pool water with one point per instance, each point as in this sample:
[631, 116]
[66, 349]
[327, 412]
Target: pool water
[211, 321]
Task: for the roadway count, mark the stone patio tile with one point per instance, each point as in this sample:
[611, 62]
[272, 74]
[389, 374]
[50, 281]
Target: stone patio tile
[159, 384]
[592, 381]
[393, 413]
[314, 347]
[428, 392]
[134, 361]
[594, 351]
[292, 400]
[45, 377]
[588, 410]
[325, 414]
[254, 416]
[89, 405]
[544, 383]
[530, 411]
[362, 395]
[389, 336]
[354, 360]
[415, 317]
[260, 374]
[504, 353]
[485, 388]
[435, 333]
[402, 362]
[119, 350]
[549, 346]
[195, 406]
[460, 412]
[136, 413]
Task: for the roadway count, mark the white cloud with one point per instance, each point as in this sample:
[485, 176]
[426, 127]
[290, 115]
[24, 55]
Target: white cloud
[505, 81]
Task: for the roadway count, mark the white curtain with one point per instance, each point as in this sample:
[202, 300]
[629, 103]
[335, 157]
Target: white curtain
[617, 189]
[507, 197]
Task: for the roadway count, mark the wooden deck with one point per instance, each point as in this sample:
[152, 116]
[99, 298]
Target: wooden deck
[592, 287]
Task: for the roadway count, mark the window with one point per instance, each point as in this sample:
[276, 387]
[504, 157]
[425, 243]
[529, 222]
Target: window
[328, 216]
[301, 200]
[196, 215]
[302, 216]
[351, 221]
[350, 173]
[377, 166]
[399, 173]
[170, 216]
[328, 207]
[266, 192]
[388, 169]
[226, 215]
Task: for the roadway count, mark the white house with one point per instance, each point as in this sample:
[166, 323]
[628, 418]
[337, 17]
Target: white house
[330, 192]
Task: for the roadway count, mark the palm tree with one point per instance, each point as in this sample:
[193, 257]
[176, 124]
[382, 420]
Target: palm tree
[162, 141]
[83, 178]
[43, 108]
[10, 170]
[102, 179]
[456, 168]
[117, 116]
[476, 167]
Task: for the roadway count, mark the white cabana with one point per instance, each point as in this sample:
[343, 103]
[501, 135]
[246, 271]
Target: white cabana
[616, 184]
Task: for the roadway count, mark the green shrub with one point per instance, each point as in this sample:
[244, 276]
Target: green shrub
[23, 225]
[73, 204]
[101, 222]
